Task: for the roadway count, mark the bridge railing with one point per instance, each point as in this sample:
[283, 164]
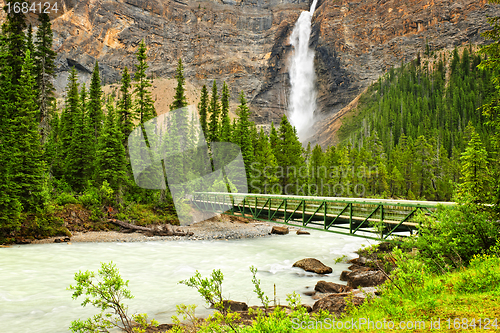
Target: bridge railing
[352, 216]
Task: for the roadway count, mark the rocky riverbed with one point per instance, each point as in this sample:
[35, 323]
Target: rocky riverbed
[219, 228]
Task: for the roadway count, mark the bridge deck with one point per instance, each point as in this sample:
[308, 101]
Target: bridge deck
[382, 217]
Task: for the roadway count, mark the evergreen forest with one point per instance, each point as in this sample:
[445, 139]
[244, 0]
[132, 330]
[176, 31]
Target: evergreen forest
[426, 130]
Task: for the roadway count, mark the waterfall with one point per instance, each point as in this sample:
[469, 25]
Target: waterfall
[302, 76]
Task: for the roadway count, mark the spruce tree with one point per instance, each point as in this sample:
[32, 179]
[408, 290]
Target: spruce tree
[69, 115]
[44, 58]
[214, 109]
[290, 158]
[79, 161]
[15, 41]
[225, 128]
[10, 207]
[111, 157]
[125, 112]
[179, 96]
[263, 170]
[29, 41]
[243, 134]
[181, 121]
[203, 110]
[475, 177]
[95, 104]
[28, 166]
[144, 104]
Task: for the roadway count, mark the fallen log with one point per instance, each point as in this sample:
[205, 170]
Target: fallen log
[159, 231]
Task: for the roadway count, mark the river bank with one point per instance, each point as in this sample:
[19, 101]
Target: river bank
[223, 227]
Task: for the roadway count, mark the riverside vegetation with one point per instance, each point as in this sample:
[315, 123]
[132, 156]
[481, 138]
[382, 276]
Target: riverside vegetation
[441, 111]
[451, 282]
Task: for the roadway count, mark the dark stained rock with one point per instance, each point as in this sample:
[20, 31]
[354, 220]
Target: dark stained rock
[303, 232]
[313, 265]
[307, 307]
[235, 306]
[279, 230]
[359, 268]
[336, 303]
[344, 275]
[310, 293]
[330, 287]
[358, 279]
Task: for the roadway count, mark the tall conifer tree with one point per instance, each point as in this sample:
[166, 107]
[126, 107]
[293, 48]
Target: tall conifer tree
[111, 157]
[145, 109]
[125, 111]
[225, 128]
[203, 110]
[44, 58]
[214, 109]
[29, 168]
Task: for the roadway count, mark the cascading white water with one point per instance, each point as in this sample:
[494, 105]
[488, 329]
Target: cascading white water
[34, 278]
[302, 76]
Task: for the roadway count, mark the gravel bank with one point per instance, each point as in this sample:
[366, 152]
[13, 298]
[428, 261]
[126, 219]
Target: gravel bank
[222, 229]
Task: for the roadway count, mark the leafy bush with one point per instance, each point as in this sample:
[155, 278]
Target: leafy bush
[65, 198]
[483, 274]
[455, 235]
[106, 291]
[209, 288]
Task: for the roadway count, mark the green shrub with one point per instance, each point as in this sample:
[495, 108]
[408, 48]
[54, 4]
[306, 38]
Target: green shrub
[106, 291]
[65, 198]
[454, 235]
[482, 275]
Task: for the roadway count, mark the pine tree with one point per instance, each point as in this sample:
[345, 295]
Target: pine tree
[52, 147]
[79, 161]
[28, 167]
[179, 97]
[474, 169]
[10, 207]
[203, 110]
[264, 166]
[44, 58]
[15, 42]
[225, 128]
[243, 136]
[290, 158]
[213, 109]
[94, 107]
[144, 104]
[29, 41]
[181, 120]
[69, 115]
[111, 157]
[125, 112]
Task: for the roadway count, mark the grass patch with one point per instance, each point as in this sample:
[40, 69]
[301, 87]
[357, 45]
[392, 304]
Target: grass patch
[459, 300]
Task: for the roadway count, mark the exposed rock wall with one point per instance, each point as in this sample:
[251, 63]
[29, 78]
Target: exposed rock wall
[358, 40]
[246, 42]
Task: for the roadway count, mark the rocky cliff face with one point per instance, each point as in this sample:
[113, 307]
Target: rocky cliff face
[246, 42]
[357, 41]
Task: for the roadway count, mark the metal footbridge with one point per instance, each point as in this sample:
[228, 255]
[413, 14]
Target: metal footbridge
[367, 218]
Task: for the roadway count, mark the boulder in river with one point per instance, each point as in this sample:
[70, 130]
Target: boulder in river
[365, 279]
[336, 303]
[303, 232]
[330, 287]
[234, 305]
[313, 265]
[279, 230]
